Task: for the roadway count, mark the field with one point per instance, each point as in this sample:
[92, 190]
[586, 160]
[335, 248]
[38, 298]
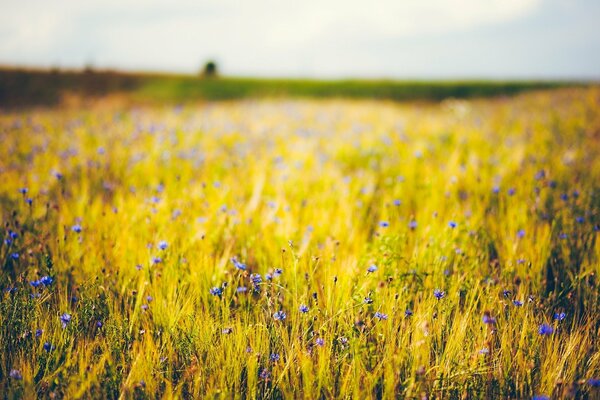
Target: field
[302, 248]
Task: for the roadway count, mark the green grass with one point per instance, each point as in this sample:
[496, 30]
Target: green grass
[302, 186]
[20, 88]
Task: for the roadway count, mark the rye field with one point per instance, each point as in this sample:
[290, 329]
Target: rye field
[302, 248]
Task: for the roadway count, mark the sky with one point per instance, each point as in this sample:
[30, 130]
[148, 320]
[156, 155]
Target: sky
[310, 38]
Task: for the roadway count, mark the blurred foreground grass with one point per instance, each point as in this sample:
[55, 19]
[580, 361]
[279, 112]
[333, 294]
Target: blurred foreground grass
[302, 249]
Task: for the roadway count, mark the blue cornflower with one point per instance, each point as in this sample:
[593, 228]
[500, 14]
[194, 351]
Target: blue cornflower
[488, 319]
[227, 331]
[594, 382]
[274, 357]
[303, 308]
[256, 279]
[518, 303]
[545, 329]
[580, 220]
[408, 312]
[496, 189]
[452, 224]
[368, 300]
[65, 319]
[521, 233]
[145, 307]
[13, 235]
[162, 245]
[238, 265]
[279, 316]
[23, 190]
[29, 201]
[319, 342]
[264, 374]
[384, 224]
[439, 294]
[412, 224]
[76, 228]
[35, 283]
[484, 351]
[564, 197]
[511, 191]
[563, 236]
[397, 202]
[48, 347]
[156, 260]
[14, 256]
[540, 397]
[372, 268]
[241, 289]
[506, 293]
[15, 374]
[277, 273]
[559, 316]
[380, 316]
[540, 174]
[216, 291]
[46, 280]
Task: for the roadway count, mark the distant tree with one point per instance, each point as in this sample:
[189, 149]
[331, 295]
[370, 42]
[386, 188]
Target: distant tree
[210, 69]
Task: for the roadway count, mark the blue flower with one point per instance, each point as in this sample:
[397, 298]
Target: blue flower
[35, 283]
[23, 190]
[241, 289]
[162, 245]
[488, 319]
[319, 342]
[517, 303]
[372, 268]
[521, 233]
[541, 397]
[580, 220]
[256, 279]
[408, 312]
[563, 236]
[380, 316]
[15, 374]
[412, 224]
[511, 191]
[274, 357]
[13, 235]
[38, 332]
[277, 273]
[46, 280]
[303, 308]
[279, 316]
[156, 260]
[496, 189]
[14, 256]
[76, 228]
[452, 224]
[397, 202]
[545, 329]
[65, 319]
[559, 316]
[439, 294]
[216, 291]
[368, 300]
[594, 382]
[484, 351]
[29, 201]
[384, 224]
[564, 197]
[48, 347]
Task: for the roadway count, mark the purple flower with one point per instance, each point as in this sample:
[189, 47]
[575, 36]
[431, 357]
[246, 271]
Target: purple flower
[559, 316]
[380, 316]
[439, 294]
[46, 280]
[14, 256]
[408, 312]
[38, 332]
[48, 347]
[156, 260]
[216, 291]
[162, 245]
[303, 308]
[397, 202]
[279, 316]
[15, 374]
[384, 224]
[241, 289]
[412, 224]
[274, 357]
[521, 233]
[372, 268]
[594, 382]
[518, 303]
[545, 330]
[452, 224]
[65, 319]
[76, 228]
[511, 191]
[319, 342]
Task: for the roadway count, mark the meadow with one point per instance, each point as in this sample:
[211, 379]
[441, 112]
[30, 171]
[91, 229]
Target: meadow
[302, 248]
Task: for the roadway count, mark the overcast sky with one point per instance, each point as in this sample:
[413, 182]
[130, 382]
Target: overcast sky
[312, 38]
